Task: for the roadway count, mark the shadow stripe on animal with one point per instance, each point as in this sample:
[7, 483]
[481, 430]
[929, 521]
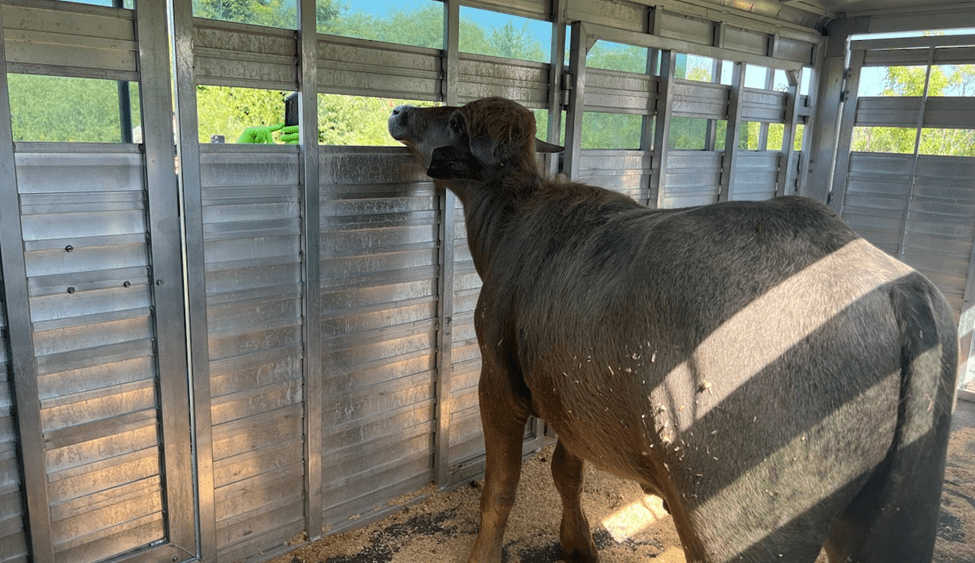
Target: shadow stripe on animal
[782, 384]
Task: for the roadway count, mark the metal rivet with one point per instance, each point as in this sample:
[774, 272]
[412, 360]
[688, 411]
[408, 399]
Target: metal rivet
[70, 290]
[159, 282]
[126, 284]
[68, 248]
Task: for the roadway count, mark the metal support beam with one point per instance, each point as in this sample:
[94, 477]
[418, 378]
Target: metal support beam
[445, 281]
[555, 85]
[661, 129]
[308, 180]
[578, 48]
[188, 150]
[844, 136]
[733, 134]
[828, 103]
[786, 181]
[23, 362]
[166, 257]
[917, 148]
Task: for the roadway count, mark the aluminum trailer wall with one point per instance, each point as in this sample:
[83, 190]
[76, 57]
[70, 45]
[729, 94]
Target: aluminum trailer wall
[328, 364]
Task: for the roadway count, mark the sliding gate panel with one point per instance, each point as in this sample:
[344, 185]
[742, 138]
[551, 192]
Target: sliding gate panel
[92, 305]
[379, 255]
[251, 231]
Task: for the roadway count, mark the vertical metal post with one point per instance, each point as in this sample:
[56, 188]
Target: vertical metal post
[917, 148]
[188, 149]
[733, 134]
[124, 99]
[785, 182]
[661, 134]
[578, 47]
[555, 82]
[166, 259]
[844, 137]
[805, 155]
[23, 362]
[308, 177]
[445, 284]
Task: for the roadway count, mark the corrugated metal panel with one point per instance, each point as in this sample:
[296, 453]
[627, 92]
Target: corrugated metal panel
[690, 178]
[523, 81]
[620, 92]
[537, 9]
[900, 111]
[745, 40]
[941, 223]
[623, 171]
[76, 40]
[466, 436]
[13, 536]
[622, 15]
[686, 28]
[756, 174]
[251, 226]
[233, 54]
[700, 99]
[379, 253]
[763, 105]
[84, 227]
[371, 68]
[876, 197]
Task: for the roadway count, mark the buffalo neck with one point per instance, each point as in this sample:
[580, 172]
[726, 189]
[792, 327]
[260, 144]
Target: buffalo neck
[489, 210]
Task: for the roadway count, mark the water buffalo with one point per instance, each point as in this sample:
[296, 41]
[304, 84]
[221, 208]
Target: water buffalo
[783, 385]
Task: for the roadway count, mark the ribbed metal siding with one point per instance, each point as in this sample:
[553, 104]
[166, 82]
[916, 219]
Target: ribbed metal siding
[466, 435]
[251, 231]
[690, 178]
[624, 171]
[756, 174]
[86, 250]
[379, 253]
[940, 226]
[939, 230]
[13, 536]
[876, 197]
[522, 81]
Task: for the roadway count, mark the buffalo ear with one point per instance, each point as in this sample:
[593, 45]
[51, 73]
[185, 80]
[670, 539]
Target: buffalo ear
[542, 146]
[449, 163]
[482, 148]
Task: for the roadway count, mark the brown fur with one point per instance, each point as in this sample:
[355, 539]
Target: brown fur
[782, 384]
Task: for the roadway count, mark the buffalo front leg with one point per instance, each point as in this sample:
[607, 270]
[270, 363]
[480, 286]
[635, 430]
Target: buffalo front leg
[577, 544]
[503, 419]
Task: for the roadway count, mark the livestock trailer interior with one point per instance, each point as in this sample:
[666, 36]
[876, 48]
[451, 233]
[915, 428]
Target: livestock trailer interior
[217, 350]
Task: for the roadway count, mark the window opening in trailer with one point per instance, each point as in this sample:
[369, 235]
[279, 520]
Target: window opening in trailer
[691, 133]
[695, 67]
[805, 81]
[727, 72]
[947, 142]
[73, 110]
[958, 80]
[409, 22]
[893, 140]
[249, 115]
[269, 13]
[756, 77]
[603, 130]
[608, 55]
[483, 32]
[358, 120]
[780, 82]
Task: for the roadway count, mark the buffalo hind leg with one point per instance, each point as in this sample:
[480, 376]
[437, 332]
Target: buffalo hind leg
[504, 431]
[577, 544]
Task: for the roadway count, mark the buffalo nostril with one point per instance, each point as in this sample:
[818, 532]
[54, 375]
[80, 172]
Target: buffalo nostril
[401, 109]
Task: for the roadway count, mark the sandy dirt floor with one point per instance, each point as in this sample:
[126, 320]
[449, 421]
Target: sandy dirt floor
[628, 526]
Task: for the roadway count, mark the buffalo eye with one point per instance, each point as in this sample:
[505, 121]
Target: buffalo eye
[456, 123]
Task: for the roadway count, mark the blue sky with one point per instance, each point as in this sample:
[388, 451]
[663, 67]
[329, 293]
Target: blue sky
[491, 19]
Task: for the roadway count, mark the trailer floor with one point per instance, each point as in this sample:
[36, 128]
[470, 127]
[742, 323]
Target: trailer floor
[628, 526]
